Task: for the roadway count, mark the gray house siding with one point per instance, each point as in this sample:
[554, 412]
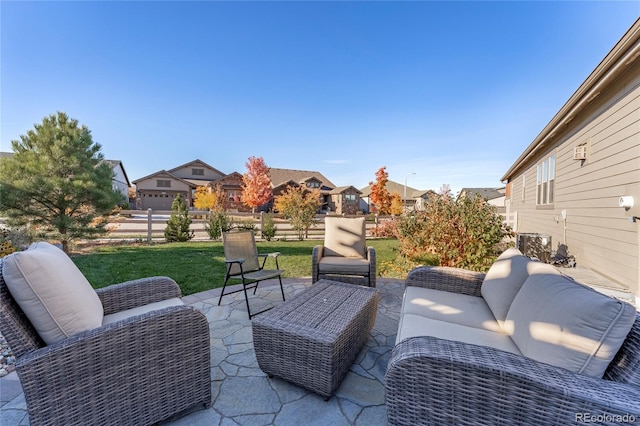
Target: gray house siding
[598, 232]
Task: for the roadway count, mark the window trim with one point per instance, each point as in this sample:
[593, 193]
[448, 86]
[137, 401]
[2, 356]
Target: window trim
[545, 181]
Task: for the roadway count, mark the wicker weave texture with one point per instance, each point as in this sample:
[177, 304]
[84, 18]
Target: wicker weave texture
[313, 339]
[432, 381]
[455, 280]
[368, 280]
[120, 373]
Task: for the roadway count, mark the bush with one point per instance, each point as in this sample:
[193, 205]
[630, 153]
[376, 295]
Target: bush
[386, 229]
[12, 240]
[245, 225]
[268, 227]
[464, 233]
[218, 222]
[178, 225]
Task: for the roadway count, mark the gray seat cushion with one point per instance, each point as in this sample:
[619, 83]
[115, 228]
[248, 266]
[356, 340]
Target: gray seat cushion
[417, 325]
[462, 309]
[139, 310]
[343, 265]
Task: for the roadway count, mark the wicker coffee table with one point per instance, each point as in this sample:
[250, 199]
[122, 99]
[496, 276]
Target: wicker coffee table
[313, 339]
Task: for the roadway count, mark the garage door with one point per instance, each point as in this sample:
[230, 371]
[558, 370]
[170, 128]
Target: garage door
[157, 201]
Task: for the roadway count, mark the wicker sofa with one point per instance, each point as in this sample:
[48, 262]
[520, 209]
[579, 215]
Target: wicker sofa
[105, 357]
[522, 344]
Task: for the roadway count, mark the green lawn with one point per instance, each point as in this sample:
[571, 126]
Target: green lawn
[197, 266]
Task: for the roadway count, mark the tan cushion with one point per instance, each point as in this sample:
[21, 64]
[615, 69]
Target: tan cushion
[557, 321]
[139, 310]
[52, 292]
[417, 325]
[344, 237]
[462, 309]
[505, 278]
[343, 265]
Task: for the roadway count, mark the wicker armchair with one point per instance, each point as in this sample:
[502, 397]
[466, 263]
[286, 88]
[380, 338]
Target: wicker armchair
[120, 373]
[437, 381]
[344, 255]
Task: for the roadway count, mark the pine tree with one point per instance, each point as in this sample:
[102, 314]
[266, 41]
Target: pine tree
[178, 225]
[57, 182]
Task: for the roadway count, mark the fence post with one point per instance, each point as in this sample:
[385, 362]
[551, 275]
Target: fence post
[149, 225]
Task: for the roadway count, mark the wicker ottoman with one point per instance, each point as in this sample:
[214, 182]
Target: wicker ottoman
[313, 339]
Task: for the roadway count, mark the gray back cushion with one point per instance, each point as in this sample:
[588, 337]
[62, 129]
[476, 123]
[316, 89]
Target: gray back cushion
[344, 237]
[52, 292]
[505, 278]
[557, 321]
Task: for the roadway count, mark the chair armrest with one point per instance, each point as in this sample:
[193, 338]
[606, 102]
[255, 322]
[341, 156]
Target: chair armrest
[274, 254]
[316, 255]
[123, 370]
[431, 380]
[131, 294]
[455, 280]
[371, 257]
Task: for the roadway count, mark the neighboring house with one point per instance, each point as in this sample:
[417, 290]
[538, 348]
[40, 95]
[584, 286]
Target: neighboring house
[120, 180]
[569, 181]
[494, 196]
[414, 199]
[343, 200]
[158, 190]
[232, 186]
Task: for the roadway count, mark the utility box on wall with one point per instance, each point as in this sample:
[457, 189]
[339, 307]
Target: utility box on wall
[537, 246]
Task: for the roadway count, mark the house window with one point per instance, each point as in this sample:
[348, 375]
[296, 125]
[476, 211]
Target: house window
[313, 184]
[234, 196]
[163, 183]
[197, 172]
[545, 181]
[349, 198]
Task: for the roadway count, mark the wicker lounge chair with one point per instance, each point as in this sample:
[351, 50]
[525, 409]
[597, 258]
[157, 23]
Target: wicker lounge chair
[117, 373]
[242, 259]
[344, 255]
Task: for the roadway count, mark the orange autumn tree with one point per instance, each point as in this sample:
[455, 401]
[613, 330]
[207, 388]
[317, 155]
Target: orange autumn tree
[256, 184]
[379, 193]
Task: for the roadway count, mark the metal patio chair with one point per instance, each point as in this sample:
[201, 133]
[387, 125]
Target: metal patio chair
[243, 262]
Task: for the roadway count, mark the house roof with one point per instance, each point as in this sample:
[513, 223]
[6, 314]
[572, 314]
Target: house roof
[341, 189]
[397, 188]
[617, 61]
[164, 173]
[486, 193]
[282, 176]
[198, 163]
[118, 163]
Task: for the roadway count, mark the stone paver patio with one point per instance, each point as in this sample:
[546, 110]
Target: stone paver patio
[243, 394]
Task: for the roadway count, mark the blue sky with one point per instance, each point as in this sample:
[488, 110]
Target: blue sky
[453, 91]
